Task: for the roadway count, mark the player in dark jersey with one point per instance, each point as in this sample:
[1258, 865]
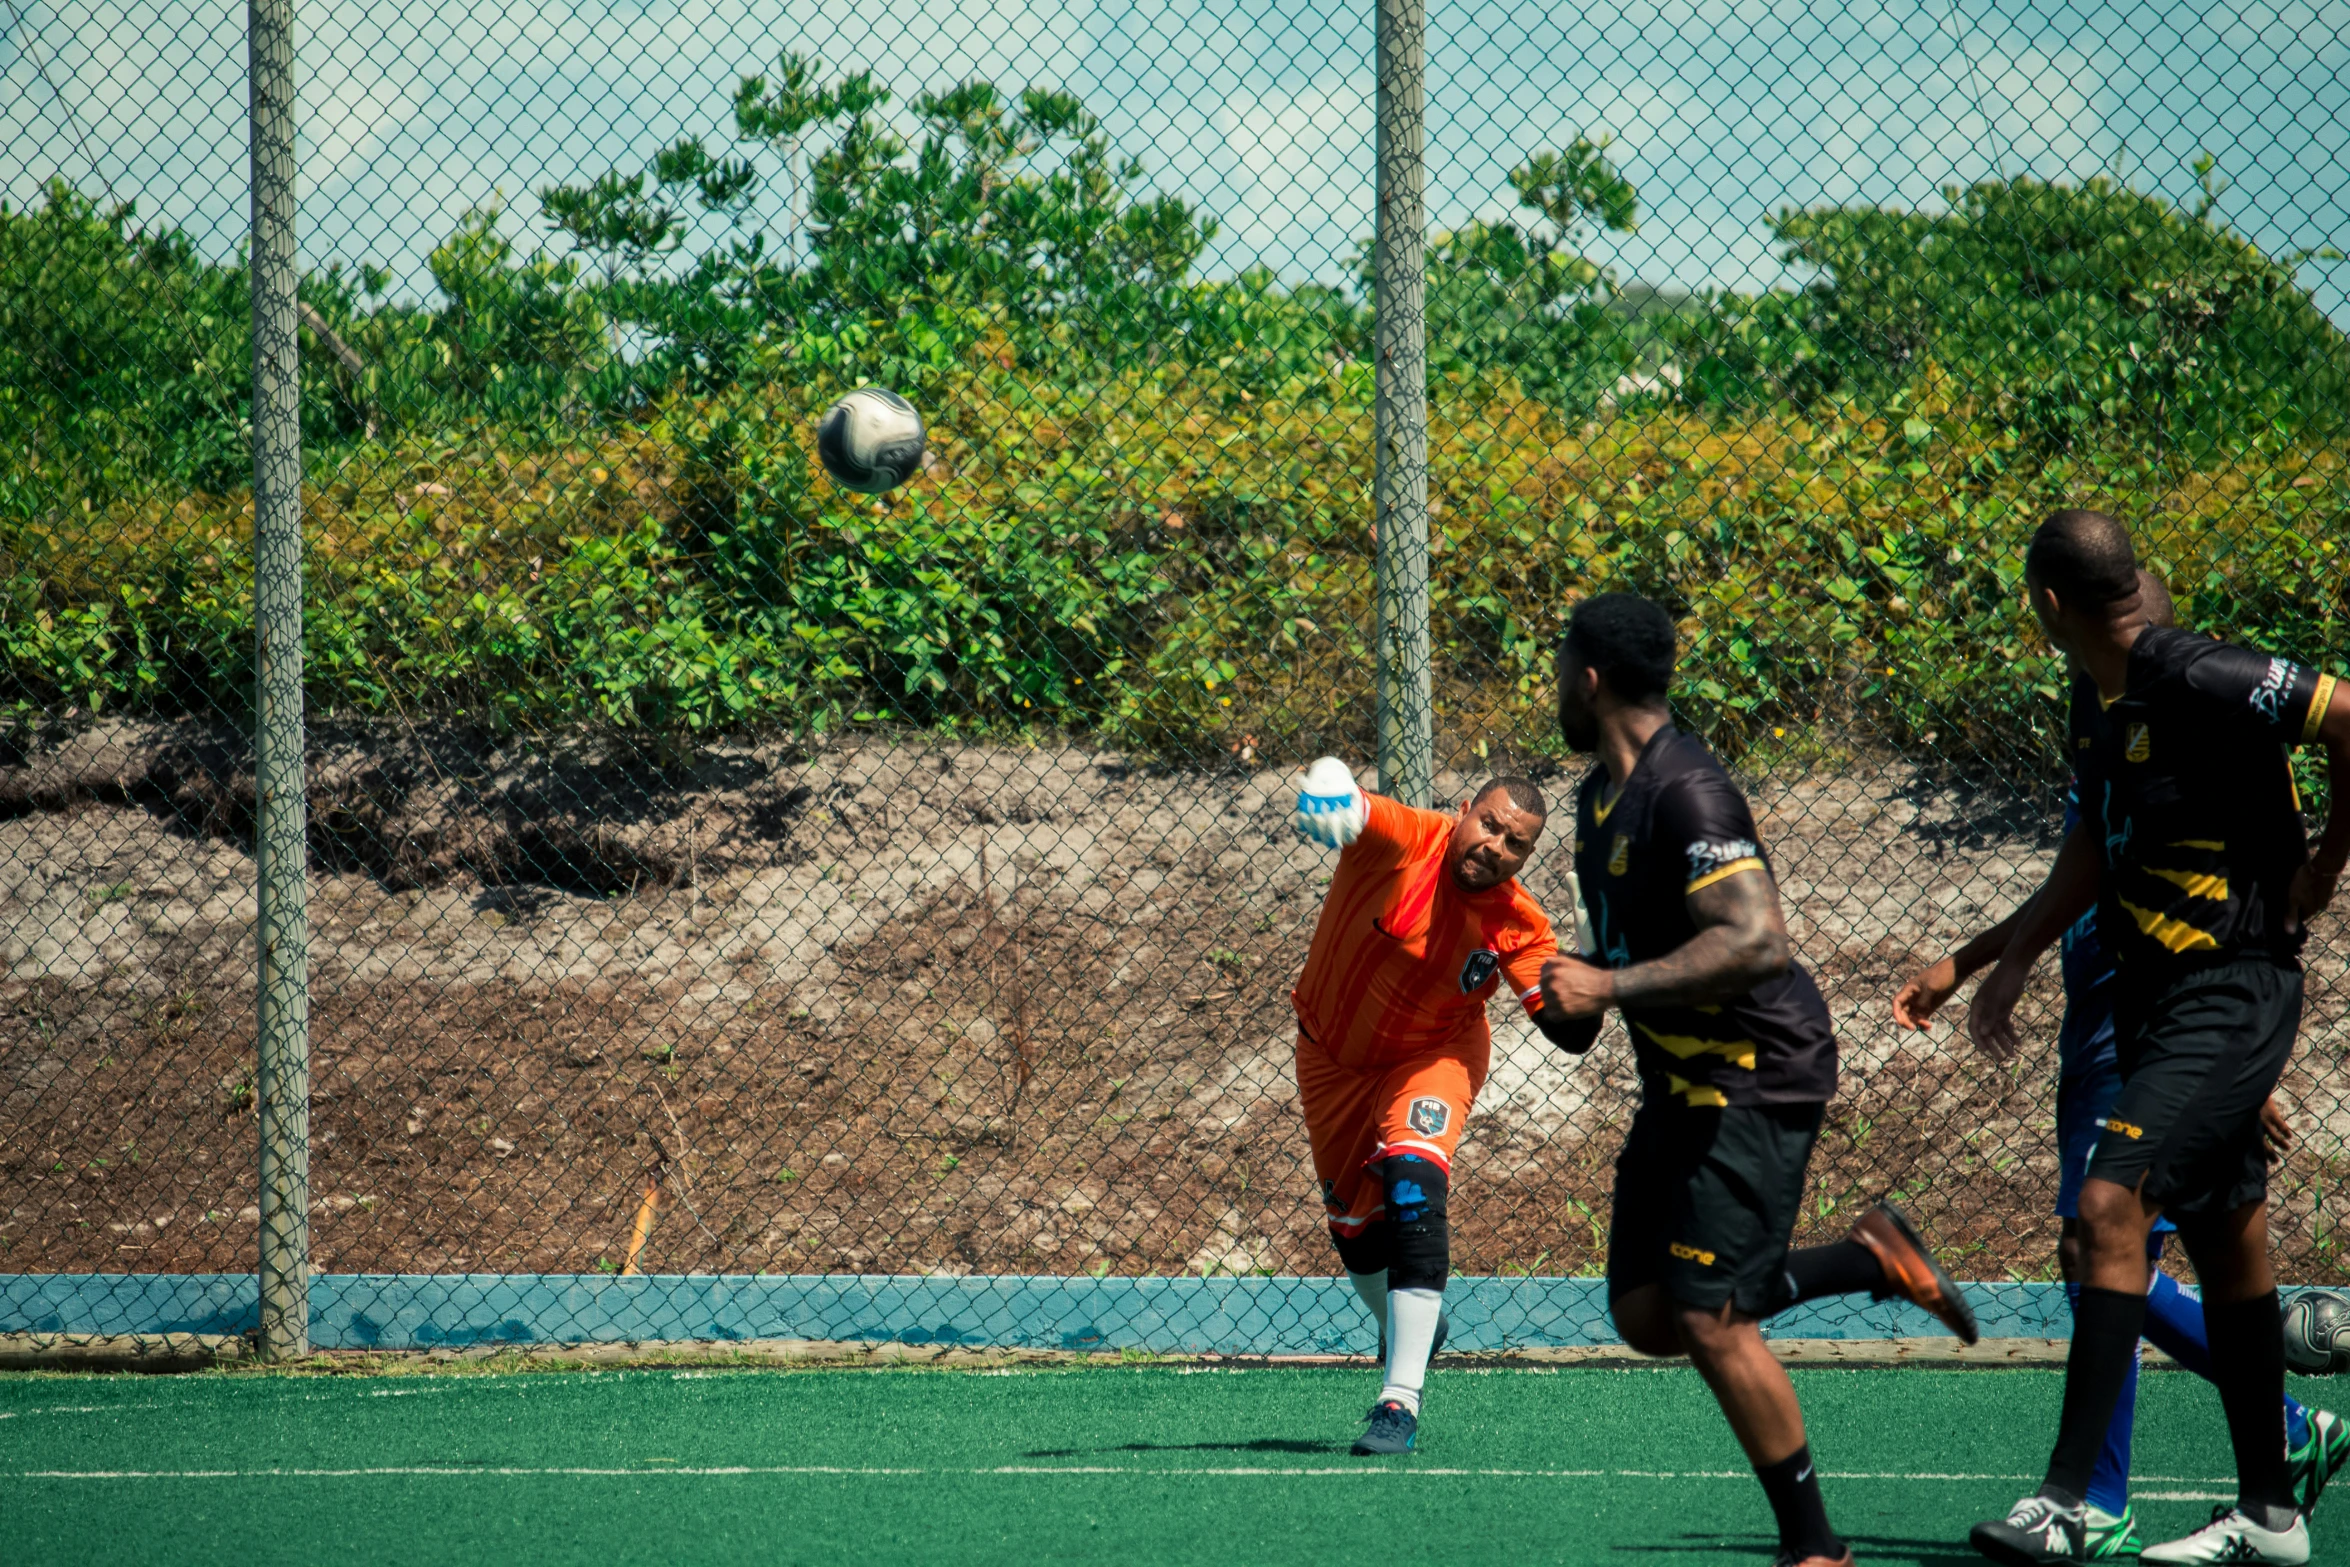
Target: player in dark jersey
[1736, 1062]
[2193, 855]
[2088, 1081]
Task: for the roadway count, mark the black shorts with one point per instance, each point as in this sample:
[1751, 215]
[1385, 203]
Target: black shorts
[1706, 1200]
[2199, 1055]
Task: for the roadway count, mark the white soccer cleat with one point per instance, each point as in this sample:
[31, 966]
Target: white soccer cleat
[2232, 1537]
[1331, 810]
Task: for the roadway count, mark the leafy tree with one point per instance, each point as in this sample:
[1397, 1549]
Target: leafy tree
[2063, 307]
[1524, 302]
[125, 357]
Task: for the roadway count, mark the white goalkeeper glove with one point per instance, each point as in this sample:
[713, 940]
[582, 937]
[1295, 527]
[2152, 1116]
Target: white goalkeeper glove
[1331, 810]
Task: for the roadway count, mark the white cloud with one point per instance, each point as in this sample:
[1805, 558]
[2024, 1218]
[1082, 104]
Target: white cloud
[1303, 168]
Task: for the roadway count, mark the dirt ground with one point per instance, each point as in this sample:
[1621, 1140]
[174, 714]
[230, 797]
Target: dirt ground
[886, 1007]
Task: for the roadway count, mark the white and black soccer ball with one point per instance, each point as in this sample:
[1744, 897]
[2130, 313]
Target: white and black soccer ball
[2317, 1332]
[870, 441]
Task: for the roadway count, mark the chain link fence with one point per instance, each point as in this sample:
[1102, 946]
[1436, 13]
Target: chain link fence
[714, 873]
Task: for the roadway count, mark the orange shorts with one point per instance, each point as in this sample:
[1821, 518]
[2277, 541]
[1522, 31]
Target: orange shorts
[1355, 1117]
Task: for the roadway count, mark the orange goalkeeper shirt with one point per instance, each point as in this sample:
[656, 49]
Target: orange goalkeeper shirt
[1404, 961]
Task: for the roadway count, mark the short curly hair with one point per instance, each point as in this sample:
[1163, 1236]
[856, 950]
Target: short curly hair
[1628, 639]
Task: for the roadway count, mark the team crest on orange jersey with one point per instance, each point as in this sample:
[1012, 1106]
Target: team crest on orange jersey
[1429, 1117]
[1479, 969]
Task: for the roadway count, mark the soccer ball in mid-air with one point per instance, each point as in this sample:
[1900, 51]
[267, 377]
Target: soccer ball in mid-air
[2317, 1332]
[870, 441]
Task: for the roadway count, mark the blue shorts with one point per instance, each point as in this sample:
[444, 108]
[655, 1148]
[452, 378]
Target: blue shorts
[2083, 1101]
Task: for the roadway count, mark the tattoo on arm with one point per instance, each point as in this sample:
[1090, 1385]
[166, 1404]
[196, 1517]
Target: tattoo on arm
[1741, 941]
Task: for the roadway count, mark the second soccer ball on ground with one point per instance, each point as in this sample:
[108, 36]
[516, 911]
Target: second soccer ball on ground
[2317, 1332]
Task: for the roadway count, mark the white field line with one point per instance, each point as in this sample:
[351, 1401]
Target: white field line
[457, 1471]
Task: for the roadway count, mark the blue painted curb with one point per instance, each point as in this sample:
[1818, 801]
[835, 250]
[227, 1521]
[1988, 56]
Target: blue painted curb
[1256, 1316]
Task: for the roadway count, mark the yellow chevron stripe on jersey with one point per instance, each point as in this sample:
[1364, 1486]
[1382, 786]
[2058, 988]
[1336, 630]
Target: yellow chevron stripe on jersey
[1734, 868]
[2201, 883]
[2208, 845]
[2177, 935]
[2318, 702]
[1703, 1094]
[1738, 1052]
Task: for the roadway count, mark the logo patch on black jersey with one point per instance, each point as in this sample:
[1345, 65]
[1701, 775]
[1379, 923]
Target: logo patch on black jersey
[2268, 698]
[1708, 855]
[2140, 746]
[1619, 858]
[1479, 968]
[1429, 1117]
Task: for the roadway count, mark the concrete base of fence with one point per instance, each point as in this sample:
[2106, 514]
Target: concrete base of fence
[1245, 1316]
[120, 1351]
[194, 1352]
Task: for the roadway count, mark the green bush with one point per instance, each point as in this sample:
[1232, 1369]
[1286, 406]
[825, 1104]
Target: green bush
[2066, 310]
[1149, 564]
[1148, 515]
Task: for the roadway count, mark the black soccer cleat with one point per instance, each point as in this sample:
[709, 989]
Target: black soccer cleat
[2036, 1532]
[1911, 1271]
[2313, 1465]
[1393, 1430]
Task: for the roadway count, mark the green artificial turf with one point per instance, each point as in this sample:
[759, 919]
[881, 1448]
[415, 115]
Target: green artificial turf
[1137, 1466]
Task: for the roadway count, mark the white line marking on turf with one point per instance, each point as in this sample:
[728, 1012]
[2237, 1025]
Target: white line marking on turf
[457, 1471]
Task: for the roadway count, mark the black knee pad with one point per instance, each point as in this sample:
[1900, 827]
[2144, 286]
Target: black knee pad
[1364, 1253]
[1420, 1244]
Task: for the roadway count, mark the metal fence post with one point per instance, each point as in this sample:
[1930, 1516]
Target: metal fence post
[1407, 730]
[282, 930]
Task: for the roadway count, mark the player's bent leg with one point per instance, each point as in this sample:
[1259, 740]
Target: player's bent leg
[2245, 1327]
[1726, 1346]
[1646, 1320]
[1911, 1271]
[1420, 1263]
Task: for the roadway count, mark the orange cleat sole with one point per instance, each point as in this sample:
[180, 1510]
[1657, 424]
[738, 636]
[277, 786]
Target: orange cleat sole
[1912, 1271]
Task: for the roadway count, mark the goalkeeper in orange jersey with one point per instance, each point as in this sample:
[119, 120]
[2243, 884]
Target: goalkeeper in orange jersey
[1423, 923]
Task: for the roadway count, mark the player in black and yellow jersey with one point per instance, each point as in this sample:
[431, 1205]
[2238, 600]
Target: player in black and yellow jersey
[2192, 852]
[1736, 1061]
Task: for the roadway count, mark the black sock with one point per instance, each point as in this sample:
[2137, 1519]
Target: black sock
[2248, 1367]
[1794, 1489]
[1841, 1268]
[2105, 1336]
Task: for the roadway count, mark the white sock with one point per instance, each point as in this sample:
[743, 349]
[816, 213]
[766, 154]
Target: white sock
[1372, 1287]
[1411, 1336]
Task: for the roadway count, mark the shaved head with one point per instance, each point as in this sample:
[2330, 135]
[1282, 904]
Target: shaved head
[2084, 558]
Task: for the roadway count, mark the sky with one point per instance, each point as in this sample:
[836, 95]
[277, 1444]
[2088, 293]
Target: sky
[1260, 111]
